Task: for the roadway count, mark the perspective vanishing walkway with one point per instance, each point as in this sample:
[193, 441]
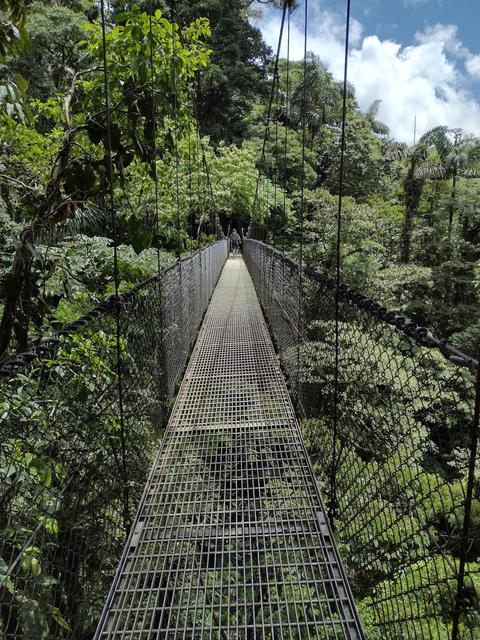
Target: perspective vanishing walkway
[231, 539]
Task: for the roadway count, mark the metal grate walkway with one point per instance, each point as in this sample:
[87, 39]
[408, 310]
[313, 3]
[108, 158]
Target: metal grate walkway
[231, 541]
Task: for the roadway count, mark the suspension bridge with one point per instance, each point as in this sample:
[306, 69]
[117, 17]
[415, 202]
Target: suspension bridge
[231, 539]
[294, 492]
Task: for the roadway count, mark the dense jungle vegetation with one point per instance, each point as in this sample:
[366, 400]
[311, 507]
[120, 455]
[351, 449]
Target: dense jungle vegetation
[411, 234]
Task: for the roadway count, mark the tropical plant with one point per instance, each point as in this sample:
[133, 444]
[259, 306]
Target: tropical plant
[459, 157]
[81, 169]
[316, 98]
[13, 14]
[371, 114]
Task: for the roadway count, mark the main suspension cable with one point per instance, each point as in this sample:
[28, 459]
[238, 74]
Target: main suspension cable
[126, 507]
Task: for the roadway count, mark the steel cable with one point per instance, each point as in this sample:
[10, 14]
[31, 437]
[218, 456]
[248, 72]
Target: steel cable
[115, 268]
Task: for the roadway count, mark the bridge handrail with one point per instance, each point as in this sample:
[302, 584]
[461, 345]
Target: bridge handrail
[422, 336]
[391, 414]
[13, 363]
[71, 469]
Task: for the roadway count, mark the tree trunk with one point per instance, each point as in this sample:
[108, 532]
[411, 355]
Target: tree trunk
[22, 262]
[451, 207]
[15, 281]
[413, 192]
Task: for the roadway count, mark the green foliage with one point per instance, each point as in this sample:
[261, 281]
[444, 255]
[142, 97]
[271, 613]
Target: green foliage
[364, 161]
[54, 31]
[56, 494]
[12, 20]
[410, 238]
[78, 273]
[130, 75]
[364, 236]
[236, 76]
[12, 40]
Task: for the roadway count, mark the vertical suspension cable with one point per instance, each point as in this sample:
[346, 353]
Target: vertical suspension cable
[190, 195]
[209, 182]
[287, 113]
[175, 123]
[286, 4]
[126, 506]
[154, 128]
[302, 199]
[275, 173]
[333, 491]
[199, 184]
[162, 373]
[205, 183]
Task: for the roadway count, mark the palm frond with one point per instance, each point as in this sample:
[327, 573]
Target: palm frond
[438, 138]
[372, 112]
[87, 220]
[431, 172]
[380, 127]
[396, 151]
[470, 173]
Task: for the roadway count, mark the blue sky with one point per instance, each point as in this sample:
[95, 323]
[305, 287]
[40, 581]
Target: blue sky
[420, 57]
[401, 19]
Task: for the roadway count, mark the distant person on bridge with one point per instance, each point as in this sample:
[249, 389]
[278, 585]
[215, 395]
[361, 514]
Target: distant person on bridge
[235, 242]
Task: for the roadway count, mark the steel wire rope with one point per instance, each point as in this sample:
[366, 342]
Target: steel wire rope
[194, 108]
[126, 497]
[199, 185]
[174, 26]
[335, 462]
[190, 191]
[154, 134]
[201, 144]
[161, 364]
[287, 112]
[302, 201]
[286, 5]
[209, 182]
[275, 173]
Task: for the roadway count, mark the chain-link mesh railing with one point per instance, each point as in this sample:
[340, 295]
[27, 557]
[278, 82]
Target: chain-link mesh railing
[389, 418]
[72, 471]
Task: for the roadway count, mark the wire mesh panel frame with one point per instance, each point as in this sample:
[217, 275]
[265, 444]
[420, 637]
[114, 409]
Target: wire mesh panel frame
[231, 538]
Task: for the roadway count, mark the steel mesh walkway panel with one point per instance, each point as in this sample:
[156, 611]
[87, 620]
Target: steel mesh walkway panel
[230, 540]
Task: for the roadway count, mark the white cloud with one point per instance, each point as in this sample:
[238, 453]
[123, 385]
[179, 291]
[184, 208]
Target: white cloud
[415, 3]
[424, 79]
[473, 66]
[420, 3]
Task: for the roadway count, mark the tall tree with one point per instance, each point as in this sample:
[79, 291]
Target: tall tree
[237, 73]
[80, 167]
[459, 157]
[53, 52]
[316, 98]
[413, 184]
